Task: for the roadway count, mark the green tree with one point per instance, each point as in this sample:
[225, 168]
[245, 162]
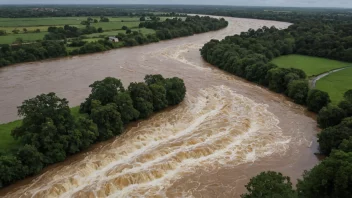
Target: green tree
[128, 31]
[317, 100]
[154, 79]
[159, 96]
[346, 145]
[47, 125]
[11, 169]
[124, 105]
[298, 91]
[330, 115]
[175, 90]
[107, 118]
[87, 132]
[331, 178]
[269, 185]
[348, 95]
[104, 91]
[124, 27]
[347, 107]
[331, 138]
[142, 98]
[31, 158]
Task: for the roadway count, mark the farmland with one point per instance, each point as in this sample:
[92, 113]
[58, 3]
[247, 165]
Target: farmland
[32, 29]
[336, 84]
[312, 66]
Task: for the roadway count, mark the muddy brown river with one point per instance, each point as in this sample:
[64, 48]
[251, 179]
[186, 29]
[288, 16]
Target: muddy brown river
[226, 131]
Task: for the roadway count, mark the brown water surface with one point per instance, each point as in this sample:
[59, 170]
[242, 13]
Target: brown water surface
[226, 131]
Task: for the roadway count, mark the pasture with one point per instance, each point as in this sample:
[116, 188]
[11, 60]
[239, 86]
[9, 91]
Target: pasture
[336, 84]
[313, 66]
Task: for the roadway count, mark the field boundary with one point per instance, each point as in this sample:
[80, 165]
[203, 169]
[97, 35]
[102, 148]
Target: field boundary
[314, 81]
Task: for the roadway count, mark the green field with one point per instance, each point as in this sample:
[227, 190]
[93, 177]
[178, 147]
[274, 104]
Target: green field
[7, 141]
[336, 84]
[111, 28]
[313, 66]
[28, 37]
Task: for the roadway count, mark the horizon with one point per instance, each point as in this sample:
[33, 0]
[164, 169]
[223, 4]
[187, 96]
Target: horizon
[343, 4]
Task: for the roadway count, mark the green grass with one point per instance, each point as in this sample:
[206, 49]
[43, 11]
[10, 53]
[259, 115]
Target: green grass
[145, 31]
[28, 37]
[336, 84]
[6, 140]
[311, 65]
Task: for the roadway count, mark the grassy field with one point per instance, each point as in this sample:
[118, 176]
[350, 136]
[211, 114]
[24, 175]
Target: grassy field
[311, 65]
[28, 37]
[336, 84]
[7, 141]
[111, 28]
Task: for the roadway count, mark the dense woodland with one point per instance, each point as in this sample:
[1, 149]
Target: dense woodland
[49, 132]
[53, 44]
[248, 55]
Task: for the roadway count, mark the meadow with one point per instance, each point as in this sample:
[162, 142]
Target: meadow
[336, 84]
[111, 28]
[313, 66]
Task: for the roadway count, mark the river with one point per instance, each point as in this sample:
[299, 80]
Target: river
[226, 131]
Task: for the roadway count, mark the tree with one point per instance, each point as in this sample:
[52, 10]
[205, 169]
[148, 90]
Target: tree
[100, 30]
[11, 169]
[124, 27]
[346, 145]
[37, 31]
[298, 91]
[3, 32]
[159, 96]
[269, 184]
[154, 79]
[87, 132]
[104, 91]
[25, 30]
[331, 138]
[317, 100]
[331, 178]
[348, 95]
[330, 115]
[15, 31]
[47, 125]
[124, 105]
[142, 98]
[142, 18]
[347, 107]
[107, 118]
[175, 90]
[31, 158]
[128, 31]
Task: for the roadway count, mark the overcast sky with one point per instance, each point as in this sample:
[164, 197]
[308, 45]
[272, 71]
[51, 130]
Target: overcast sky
[293, 3]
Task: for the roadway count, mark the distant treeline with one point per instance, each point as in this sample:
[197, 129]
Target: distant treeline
[79, 10]
[49, 132]
[54, 42]
[248, 55]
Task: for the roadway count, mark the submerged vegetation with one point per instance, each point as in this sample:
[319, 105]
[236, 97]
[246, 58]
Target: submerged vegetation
[50, 131]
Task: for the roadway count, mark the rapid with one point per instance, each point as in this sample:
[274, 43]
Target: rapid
[226, 131]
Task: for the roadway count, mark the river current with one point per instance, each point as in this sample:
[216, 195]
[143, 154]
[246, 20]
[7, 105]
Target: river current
[226, 131]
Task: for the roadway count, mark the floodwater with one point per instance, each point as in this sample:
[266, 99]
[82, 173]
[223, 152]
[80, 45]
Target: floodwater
[226, 131]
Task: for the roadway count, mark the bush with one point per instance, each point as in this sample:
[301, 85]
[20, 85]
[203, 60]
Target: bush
[317, 100]
[330, 115]
[298, 91]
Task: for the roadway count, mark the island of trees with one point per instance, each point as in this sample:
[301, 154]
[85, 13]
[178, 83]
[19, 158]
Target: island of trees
[50, 132]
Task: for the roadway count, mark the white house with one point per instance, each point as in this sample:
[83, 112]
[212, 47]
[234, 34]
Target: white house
[113, 39]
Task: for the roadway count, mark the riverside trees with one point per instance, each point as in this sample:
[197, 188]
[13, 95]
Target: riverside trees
[49, 132]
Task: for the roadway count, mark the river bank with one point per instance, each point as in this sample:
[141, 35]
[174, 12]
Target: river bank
[257, 129]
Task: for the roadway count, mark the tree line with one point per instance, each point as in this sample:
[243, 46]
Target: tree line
[54, 43]
[49, 132]
[248, 55]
